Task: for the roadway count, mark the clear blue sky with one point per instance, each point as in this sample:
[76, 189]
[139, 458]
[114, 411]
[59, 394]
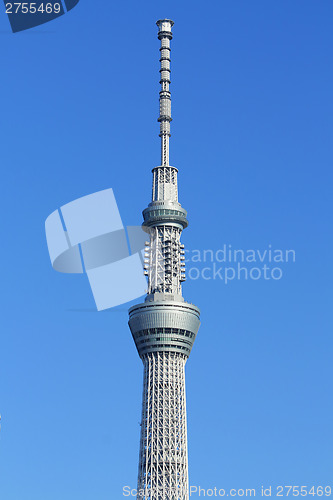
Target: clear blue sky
[252, 138]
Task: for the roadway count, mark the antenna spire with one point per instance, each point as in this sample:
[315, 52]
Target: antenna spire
[165, 35]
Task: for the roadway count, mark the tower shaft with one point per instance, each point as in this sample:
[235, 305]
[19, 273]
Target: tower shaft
[164, 327]
[163, 471]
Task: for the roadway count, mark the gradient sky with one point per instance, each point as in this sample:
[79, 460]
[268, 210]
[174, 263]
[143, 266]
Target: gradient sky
[252, 139]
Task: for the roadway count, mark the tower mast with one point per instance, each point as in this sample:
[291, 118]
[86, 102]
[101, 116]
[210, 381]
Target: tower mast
[164, 327]
[165, 36]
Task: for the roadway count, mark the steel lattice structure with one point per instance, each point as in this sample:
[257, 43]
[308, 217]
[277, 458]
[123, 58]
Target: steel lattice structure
[164, 327]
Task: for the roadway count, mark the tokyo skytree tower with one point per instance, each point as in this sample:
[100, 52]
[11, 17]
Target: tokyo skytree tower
[164, 326]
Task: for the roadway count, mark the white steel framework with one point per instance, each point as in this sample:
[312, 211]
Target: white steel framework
[164, 327]
[164, 260]
[163, 472]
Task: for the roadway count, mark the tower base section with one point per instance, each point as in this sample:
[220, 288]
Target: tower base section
[163, 464]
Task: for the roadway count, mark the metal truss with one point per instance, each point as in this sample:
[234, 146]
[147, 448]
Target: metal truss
[163, 467]
[165, 184]
[164, 327]
[164, 260]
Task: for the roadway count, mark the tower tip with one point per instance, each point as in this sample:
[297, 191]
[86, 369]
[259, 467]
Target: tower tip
[164, 25]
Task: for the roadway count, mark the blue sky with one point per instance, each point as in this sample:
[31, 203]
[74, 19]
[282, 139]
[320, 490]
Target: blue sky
[252, 138]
